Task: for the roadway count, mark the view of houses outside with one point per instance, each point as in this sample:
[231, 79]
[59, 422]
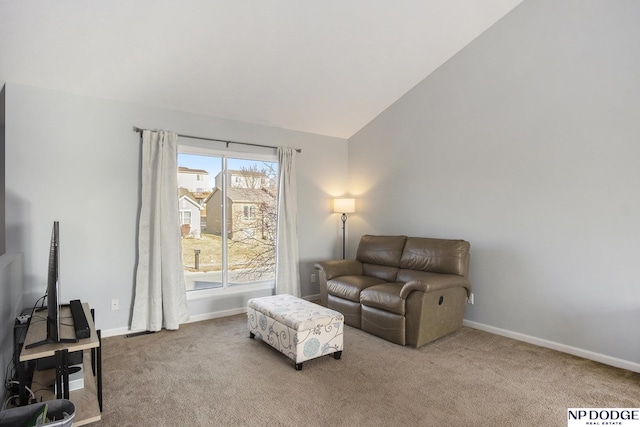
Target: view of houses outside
[250, 207]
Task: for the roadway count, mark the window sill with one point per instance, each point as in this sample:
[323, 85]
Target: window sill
[229, 290]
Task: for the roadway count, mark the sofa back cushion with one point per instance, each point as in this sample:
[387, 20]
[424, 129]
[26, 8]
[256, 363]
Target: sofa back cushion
[381, 250]
[380, 255]
[436, 255]
[383, 272]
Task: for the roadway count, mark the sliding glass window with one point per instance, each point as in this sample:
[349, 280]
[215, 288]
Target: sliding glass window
[228, 215]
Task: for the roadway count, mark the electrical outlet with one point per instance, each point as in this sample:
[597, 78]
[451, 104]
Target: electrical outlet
[470, 299]
[313, 278]
[115, 305]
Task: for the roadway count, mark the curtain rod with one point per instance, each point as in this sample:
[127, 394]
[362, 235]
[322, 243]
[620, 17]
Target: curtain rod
[299, 150]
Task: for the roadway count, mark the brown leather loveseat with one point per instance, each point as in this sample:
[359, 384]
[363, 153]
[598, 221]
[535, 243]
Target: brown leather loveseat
[407, 290]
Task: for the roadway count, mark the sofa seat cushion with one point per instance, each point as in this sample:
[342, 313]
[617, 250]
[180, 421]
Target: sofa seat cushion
[349, 287]
[382, 272]
[385, 296]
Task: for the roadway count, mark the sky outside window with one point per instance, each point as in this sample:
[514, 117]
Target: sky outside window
[213, 164]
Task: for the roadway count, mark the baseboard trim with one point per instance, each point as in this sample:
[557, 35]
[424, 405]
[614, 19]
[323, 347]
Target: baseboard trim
[106, 333]
[312, 297]
[586, 354]
[198, 317]
[216, 314]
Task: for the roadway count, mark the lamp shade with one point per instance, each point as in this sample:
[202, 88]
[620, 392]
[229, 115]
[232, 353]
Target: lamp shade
[344, 205]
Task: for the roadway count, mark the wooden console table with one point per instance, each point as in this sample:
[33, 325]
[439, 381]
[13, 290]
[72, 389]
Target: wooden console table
[87, 400]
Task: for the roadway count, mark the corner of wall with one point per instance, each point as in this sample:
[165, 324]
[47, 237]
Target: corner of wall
[11, 301]
[3, 239]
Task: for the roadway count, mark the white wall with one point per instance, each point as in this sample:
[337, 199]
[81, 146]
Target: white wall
[527, 144]
[76, 159]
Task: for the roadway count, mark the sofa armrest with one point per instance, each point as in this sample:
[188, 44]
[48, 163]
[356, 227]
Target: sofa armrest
[340, 267]
[435, 283]
[327, 270]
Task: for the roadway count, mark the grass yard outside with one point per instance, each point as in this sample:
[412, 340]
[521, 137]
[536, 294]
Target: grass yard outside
[241, 255]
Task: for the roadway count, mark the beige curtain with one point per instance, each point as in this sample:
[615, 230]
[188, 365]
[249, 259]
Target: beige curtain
[160, 295]
[287, 272]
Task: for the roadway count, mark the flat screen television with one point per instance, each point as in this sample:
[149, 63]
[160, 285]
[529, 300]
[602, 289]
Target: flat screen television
[53, 293]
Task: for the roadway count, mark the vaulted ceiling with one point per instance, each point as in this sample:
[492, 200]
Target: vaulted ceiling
[326, 67]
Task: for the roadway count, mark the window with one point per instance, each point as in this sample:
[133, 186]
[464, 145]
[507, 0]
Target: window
[249, 212]
[235, 243]
[185, 217]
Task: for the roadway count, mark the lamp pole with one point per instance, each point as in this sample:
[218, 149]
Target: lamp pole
[344, 206]
[344, 234]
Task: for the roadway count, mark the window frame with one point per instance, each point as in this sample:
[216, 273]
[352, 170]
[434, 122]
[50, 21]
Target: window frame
[264, 154]
[182, 214]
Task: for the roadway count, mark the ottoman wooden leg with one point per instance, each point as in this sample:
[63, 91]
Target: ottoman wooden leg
[298, 366]
[252, 335]
[337, 355]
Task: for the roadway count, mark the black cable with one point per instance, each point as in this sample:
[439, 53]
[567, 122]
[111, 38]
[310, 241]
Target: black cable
[10, 370]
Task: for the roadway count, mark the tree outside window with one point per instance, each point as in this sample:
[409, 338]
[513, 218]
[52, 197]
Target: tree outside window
[246, 241]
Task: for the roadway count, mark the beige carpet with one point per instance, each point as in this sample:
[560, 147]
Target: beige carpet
[211, 374]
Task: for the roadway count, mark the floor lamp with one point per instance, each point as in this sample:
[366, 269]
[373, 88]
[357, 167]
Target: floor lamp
[344, 206]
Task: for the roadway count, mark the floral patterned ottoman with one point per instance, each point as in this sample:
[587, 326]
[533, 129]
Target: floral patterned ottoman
[296, 328]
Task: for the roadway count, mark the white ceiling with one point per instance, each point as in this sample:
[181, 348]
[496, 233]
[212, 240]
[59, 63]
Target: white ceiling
[326, 66]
